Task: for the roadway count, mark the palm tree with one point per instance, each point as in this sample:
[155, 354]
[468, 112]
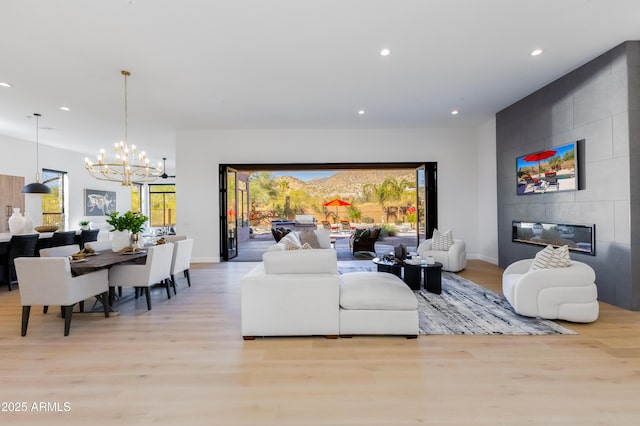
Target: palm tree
[389, 191]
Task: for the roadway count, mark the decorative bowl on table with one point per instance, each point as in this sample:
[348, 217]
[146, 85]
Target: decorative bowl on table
[46, 228]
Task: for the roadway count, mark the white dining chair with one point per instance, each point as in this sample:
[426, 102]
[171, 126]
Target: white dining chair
[99, 245]
[60, 251]
[157, 269]
[48, 281]
[181, 260]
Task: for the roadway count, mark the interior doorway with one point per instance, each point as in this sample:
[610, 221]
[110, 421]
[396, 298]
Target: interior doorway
[237, 210]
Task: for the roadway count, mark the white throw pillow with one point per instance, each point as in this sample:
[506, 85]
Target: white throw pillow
[549, 257]
[441, 240]
[291, 246]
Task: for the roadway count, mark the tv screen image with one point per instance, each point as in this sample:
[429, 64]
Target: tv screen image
[550, 170]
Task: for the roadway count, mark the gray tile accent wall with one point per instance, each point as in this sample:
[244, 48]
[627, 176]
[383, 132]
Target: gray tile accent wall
[600, 104]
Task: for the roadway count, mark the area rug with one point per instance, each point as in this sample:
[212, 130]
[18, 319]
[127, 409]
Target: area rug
[464, 307]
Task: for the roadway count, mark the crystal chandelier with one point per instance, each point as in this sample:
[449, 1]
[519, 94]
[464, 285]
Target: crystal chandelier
[129, 167]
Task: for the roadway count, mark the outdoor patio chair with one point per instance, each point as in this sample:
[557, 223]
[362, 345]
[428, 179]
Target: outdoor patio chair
[552, 180]
[345, 226]
[365, 239]
[326, 225]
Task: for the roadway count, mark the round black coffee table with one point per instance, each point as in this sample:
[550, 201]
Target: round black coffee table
[432, 276]
[392, 267]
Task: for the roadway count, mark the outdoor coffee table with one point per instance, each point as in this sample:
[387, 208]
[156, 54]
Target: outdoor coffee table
[432, 276]
[392, 267]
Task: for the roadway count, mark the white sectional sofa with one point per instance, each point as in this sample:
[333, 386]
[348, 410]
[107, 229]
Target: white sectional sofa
[300, 293]
[292, 293]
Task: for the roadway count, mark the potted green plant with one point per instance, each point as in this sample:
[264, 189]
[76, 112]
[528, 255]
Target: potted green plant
[126, 228]
[84, 224]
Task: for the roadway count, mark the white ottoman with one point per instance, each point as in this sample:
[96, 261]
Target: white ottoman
[377, 303]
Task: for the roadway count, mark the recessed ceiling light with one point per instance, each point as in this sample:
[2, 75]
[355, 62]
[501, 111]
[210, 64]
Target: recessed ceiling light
[455, 112]
[361, 112]
[536, 52]
[64, 108]
[4, 84]
[385, 52]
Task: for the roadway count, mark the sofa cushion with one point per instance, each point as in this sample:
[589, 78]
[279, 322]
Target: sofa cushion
[293, 238]
[441, 240]
[549, 257]
[288, 245]
[321, 261]
[375, 291]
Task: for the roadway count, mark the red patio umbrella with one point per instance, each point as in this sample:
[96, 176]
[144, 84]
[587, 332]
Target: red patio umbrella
[539, 156]
[336, 202]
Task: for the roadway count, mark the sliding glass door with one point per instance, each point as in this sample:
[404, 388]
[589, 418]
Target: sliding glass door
[228, 213]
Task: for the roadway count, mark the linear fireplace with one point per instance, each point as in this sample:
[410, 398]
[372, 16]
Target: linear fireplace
[579, 237]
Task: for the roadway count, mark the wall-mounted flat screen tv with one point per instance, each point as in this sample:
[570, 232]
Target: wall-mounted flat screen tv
[550, 170]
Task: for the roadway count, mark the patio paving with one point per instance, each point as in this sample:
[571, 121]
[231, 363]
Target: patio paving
[251, 250]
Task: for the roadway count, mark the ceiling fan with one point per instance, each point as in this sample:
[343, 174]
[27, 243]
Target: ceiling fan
[164, 174]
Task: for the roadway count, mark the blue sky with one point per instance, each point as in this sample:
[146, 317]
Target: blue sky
[560, 152]
[305, 176]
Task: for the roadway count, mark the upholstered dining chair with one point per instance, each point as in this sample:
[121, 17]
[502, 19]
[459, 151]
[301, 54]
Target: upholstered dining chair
[63, 238]
[156, 270]
[174, 238]
[99, 245]
[48, 281]
[181, 261]
[19, 246]
[60, 251]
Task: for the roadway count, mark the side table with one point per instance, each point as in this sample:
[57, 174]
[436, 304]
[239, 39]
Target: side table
[432, 276]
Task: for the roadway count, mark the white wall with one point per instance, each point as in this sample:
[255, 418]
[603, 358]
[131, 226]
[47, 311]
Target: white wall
[487, 193]
[19, 159]
[199, 152]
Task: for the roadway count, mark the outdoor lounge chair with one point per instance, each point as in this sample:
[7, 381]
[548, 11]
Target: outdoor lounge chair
[552, 181]
[364, 240]
[345, 226]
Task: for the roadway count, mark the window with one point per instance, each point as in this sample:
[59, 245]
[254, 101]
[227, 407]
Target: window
[136, 198]
[53, 204]
[162, 205]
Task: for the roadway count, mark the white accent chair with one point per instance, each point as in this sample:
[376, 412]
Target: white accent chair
[556, 293]
[156, 270]
[48, 281]
[453, 260]
[181, 261]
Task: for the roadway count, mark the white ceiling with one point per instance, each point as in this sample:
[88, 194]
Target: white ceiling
[284, 63]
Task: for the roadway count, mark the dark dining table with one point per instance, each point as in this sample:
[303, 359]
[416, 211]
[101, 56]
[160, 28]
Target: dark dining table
[105, 259]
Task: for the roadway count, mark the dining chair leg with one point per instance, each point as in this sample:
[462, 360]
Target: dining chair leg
[105, 304]
[25, 319]
[68, 310]
[62, 312]
[147, 293]
[45, 309]
[166, 285]
[188, 275]
[81, 304]
[112, 296]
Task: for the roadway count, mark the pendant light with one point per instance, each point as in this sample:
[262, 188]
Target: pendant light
[36, 187]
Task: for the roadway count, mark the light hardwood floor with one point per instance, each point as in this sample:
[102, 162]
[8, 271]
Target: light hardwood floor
[185, 363]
